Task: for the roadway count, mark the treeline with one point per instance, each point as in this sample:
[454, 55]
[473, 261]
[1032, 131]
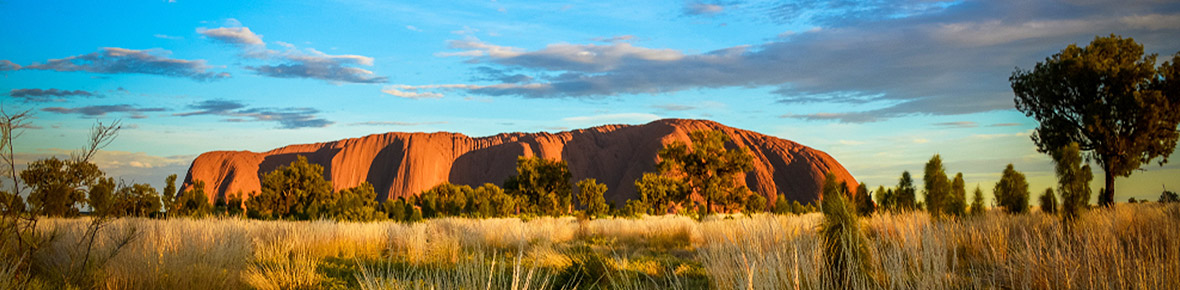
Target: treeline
[694, 180]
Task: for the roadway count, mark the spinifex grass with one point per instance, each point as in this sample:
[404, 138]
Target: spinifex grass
[1130, 246]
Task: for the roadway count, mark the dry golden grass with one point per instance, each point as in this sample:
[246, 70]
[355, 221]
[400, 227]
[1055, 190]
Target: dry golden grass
[1131, 246]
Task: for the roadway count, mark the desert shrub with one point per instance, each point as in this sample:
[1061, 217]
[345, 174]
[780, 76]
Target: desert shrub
[845, 248]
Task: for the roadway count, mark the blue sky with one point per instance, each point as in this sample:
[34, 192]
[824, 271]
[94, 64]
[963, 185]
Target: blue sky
[880, 85]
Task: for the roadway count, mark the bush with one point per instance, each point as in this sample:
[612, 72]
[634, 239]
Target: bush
[846, 251]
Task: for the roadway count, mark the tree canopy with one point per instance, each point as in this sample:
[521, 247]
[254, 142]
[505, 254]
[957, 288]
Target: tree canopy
[708, 168]
[1012, 191]
[1110, 99]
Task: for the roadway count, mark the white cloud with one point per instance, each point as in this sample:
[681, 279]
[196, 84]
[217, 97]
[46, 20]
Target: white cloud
[233, 35]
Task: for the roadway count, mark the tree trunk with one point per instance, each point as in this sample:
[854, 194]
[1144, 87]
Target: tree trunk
[1106, 197]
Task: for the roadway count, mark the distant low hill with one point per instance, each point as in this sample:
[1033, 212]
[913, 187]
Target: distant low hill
[402, 164]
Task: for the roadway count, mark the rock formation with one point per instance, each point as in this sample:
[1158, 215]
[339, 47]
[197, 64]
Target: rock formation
[401, 164]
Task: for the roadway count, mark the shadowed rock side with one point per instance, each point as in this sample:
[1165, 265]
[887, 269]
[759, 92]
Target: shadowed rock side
[401, 164]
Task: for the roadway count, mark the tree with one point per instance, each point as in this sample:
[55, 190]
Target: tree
[169, 197]
[885, 198]
[1012, 191]
[1073, 179]
[1169, 196]
[708, 168]
[58, 186]
[139, 200]
[289, 190]
[591, 196]
[1048, 201]
[660, 191]
[957, 204]
[194, 202]
[864, 201]
[1109, 98]
[977, 207]
[102, 196]
[936, 186]
[545, 184]
[358, 204]
[905, 193]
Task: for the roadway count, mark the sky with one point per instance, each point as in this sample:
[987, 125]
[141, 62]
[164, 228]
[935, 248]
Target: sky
[880, 85]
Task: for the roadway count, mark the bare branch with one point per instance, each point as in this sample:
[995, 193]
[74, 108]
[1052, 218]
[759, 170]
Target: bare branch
[100, 136]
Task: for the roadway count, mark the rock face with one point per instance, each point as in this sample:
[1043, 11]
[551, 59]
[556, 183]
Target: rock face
[402, 164]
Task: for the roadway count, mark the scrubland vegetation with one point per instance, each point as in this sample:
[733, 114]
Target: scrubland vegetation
[693, 224]
[1128, 246]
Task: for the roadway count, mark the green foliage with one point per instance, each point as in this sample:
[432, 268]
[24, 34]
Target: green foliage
[708, 168]
[1073, 177]
[102, 196]
[445, 199]
[289, 191]
[977, 206]
[1168, 197]
[781, 205]
[169, 195]
[395, 209]
[235, 204]
[139, 200]
[635, 208]
[1048, 201]
[544, 184]
[1012, 191]
[886, 199]
[846, 254]
[936, 186]
[194, 202]
[499, 203]
[591, 197]
[58, 187]
[1107, 97]
[755, 203]
[957, 203]
[904, 199]
[660, 192]
[358, 204]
